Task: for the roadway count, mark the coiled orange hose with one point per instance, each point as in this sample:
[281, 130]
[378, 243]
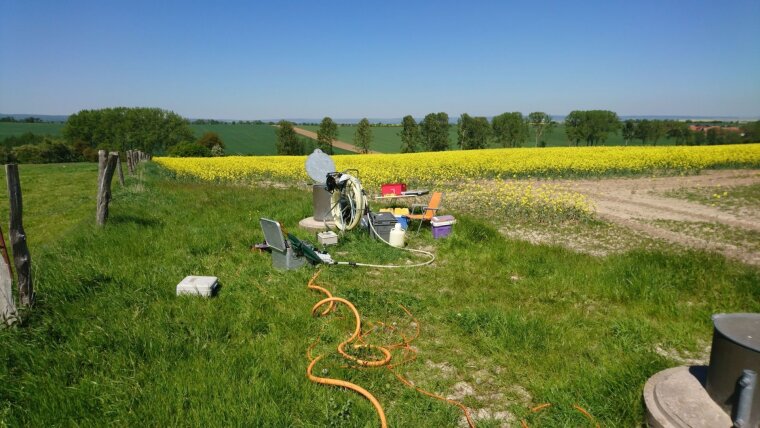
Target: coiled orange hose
[404, 345]
[330, 300]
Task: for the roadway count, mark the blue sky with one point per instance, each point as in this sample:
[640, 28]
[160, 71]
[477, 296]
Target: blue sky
[247, 60]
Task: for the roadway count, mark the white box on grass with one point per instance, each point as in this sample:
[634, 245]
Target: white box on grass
[198, 285]
[327, 238]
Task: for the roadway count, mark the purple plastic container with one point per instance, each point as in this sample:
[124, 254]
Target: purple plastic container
[441, 231]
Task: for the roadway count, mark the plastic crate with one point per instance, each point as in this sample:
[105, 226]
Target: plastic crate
[392, 189]
[442, 231]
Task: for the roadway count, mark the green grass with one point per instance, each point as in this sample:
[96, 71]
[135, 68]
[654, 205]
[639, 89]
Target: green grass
[56, 198]
[728, 198]
[110, 344]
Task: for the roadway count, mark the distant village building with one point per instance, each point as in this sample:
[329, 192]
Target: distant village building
[705, 128]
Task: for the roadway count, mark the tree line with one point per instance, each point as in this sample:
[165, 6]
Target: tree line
[12, 119]
[150, 130]
[513, 129]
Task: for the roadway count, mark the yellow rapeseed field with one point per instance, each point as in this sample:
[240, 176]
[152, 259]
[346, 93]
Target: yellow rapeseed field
[459, 166]
[466, 174]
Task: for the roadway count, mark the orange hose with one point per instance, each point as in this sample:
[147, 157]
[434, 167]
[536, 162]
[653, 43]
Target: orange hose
[312, 286]
[357, 332]
[430, 394]
[385, 350]
[580, 409]
[349, 385]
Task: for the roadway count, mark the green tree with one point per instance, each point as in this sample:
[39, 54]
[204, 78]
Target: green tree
[435, 131]
[628, 131]
[698, 138]
[591, 126]
[189, 150]
[643, 131]
[510, 129]
[656, 131]
[288, 142]
[328, 131]
[411, 140]
[678, 131]
[151, 130]
[751, 131]
[363, 136]
[541, 123]
[472, 132]
[210, 139]
[713, 137]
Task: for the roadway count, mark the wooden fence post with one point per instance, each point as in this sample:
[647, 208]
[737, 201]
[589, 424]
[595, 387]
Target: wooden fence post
[104, 190]
[21, 257]
[102, 157]
[130, 166]
[119, 169]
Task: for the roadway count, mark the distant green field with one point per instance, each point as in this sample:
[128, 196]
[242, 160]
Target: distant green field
[243, 139]
[8, 129]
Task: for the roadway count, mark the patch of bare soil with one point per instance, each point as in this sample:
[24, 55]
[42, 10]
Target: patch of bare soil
[636, 204]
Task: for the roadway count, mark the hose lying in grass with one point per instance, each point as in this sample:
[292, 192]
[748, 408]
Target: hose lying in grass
[358, 342]
[580, 409]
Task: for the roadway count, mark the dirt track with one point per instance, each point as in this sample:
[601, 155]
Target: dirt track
[635, 203]
[336, 143]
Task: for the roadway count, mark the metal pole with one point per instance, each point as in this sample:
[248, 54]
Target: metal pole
[747, 384]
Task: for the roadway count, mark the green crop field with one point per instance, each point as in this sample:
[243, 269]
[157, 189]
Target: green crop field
[243, 139]
[109, 342]
[8, 129]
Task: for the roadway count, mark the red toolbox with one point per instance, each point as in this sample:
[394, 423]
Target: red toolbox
[392, 189]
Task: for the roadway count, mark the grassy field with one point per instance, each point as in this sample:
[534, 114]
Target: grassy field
[110, 343]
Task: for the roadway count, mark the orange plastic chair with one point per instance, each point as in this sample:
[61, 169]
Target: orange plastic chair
[426, 211]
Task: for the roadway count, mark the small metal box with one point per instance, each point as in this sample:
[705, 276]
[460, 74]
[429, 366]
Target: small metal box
[198, 285]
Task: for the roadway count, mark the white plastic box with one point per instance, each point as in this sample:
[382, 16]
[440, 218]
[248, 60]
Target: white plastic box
[327, 238]
[198, 285]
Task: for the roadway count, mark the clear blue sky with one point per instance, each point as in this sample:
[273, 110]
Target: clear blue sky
[309, 59]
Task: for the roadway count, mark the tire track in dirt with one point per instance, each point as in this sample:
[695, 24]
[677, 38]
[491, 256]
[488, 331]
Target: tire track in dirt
[336, 143]
[632, 203]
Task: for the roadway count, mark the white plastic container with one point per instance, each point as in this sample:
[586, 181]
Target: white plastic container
[397, 236]
[327, 238]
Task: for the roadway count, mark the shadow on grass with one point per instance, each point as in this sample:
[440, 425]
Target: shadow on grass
[131, 219]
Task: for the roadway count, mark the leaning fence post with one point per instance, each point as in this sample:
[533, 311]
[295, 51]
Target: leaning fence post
[21, 257]
[8, 312]
[104, 189]
[118, 168]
